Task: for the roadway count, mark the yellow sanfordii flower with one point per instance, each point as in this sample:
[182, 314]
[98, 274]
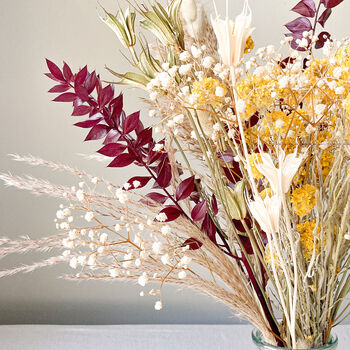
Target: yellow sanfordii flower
[206, 90]
[307, 238]
[303, 199]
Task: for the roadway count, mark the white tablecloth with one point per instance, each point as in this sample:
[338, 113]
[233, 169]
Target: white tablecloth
[135, 337]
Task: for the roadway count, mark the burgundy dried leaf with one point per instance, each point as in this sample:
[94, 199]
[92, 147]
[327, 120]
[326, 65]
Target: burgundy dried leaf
[214, 205]
[105, 96]
[192, 243]
[112, 136]
[209, 228]
[67, 73]
[144, 137]
[66, 97]
[81, 110]
[97, 132]
[245, 242]
[171, 212]
[82, 92]
[322, 38]
[164, 173]
[81, 76]
[199, 211]
[88, 123]
[154, 197]
[233, 173]
[288, 60]
[331, 3]
[299, 25]
[55, 71]
[59, 88]
[239, 226]
[305, 8]
[122, 160]
[185, 188]
[131, 122]
[253, 120]
[90, 82]
[324, 17]
[139, 181]
[112, 149]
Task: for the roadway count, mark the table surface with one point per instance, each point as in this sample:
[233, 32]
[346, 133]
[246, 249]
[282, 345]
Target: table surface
[135, 337]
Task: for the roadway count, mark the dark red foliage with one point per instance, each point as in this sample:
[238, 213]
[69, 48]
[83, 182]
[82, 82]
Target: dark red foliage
[141, 180]
[112, 149]
[172, 212]
[199, 211]
[122, 160]
[154, 197]
[331, 3]
[299, 25]
[185, 188]
[324, 17]
[322, 38]
[214, 205]
[305, 8]
[209, 228]
[193, 243]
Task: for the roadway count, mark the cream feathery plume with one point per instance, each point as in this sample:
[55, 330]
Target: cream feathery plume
[232, 36]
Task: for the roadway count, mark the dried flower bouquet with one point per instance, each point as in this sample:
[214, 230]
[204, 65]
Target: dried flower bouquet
[244, 182]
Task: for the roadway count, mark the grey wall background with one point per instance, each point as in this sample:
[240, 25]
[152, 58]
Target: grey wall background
[70, 30]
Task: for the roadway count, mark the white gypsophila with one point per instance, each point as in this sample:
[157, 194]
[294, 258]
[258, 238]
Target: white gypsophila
[158, 305]
[103, 237]
[136, 183]
[73, 263]
[80, 195]
[283, 81]
[166, 230]
[113, 272]
[143, 280]
[157, 248]
[158, 147]
[185, 69]
[185, 56]
[208, 62]
[241, 106]
[196, 52]
[219, 91]
[166, 259]
[182, 274]
[161, 217]
[185, 260]
[89, 216]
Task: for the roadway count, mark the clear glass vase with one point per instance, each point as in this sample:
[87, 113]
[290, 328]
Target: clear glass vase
[261, 345]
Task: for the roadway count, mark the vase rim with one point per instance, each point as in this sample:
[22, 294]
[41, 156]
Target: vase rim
[259, 341]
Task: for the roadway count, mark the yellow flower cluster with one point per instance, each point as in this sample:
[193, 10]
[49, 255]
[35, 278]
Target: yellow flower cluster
[268, 257]
[256, 92]
[303, 199]
[253, 159]
[307, 238]
[347, 106]
[327, 160]
[206, 90]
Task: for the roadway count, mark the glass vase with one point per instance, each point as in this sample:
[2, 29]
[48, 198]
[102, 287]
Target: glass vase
[258, 340]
